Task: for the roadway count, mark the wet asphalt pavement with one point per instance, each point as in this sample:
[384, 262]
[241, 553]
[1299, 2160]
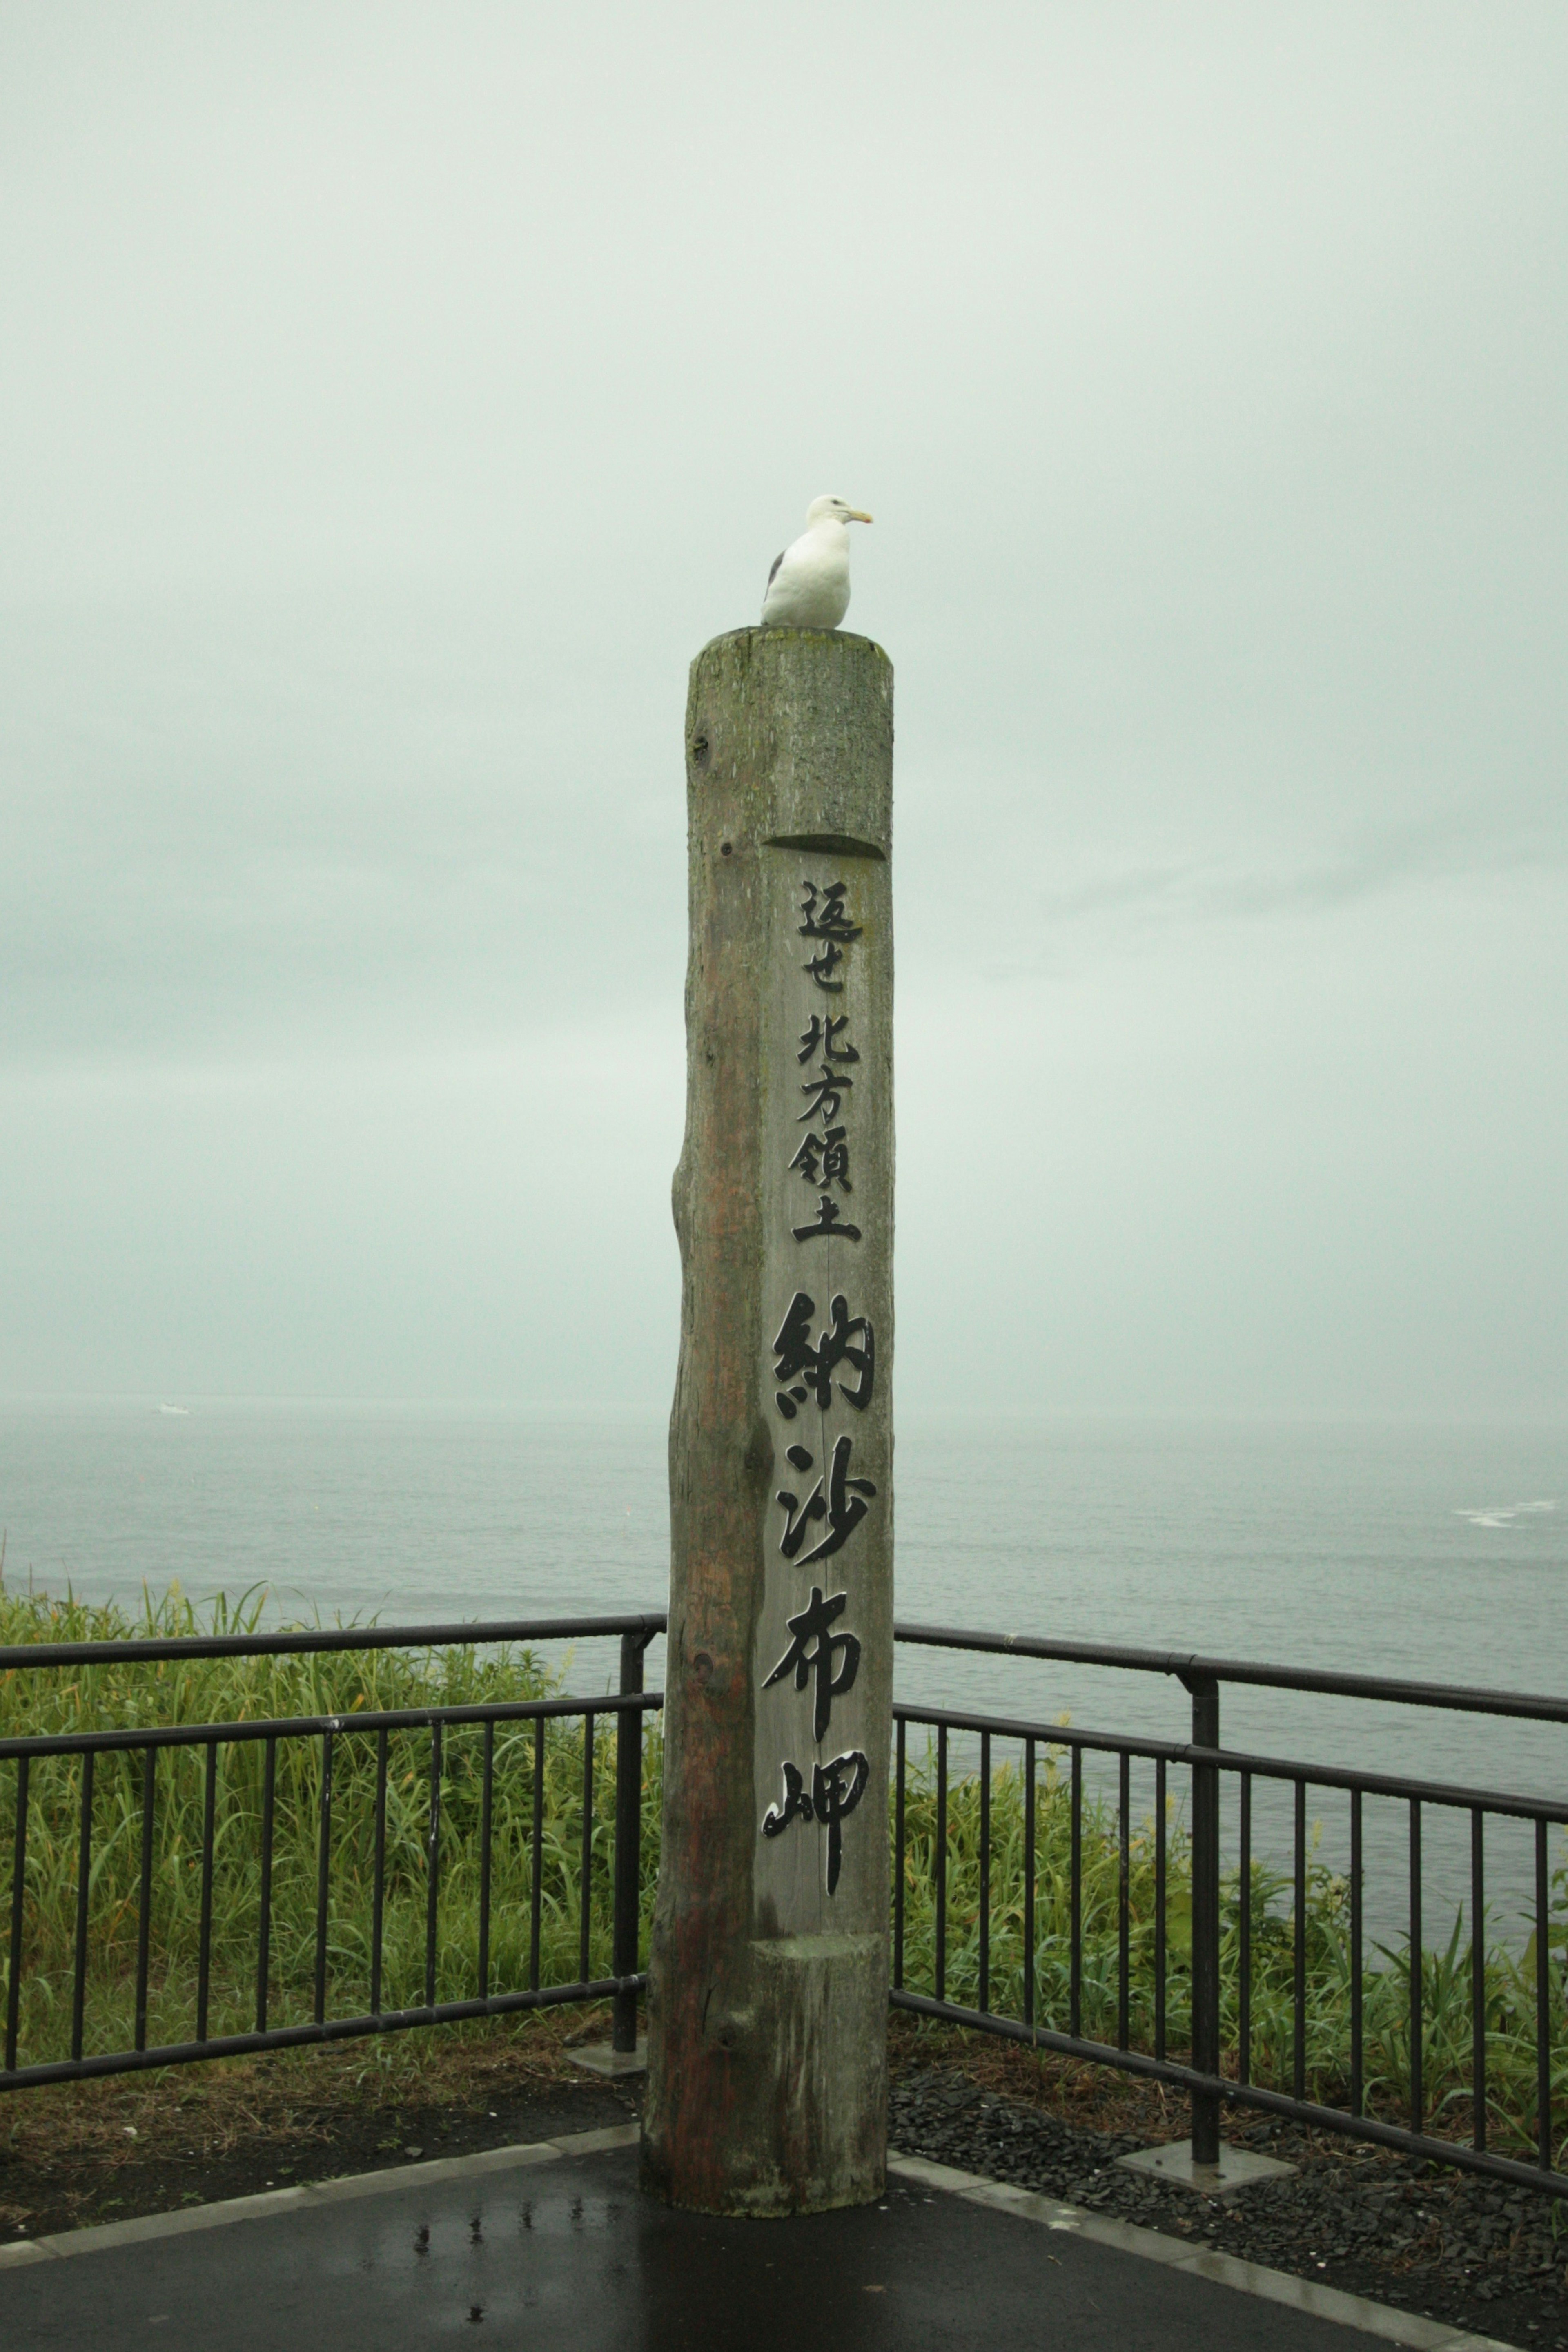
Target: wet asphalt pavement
[568, 2254]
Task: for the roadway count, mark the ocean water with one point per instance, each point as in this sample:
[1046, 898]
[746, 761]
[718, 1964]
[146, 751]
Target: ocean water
[1437, 1551]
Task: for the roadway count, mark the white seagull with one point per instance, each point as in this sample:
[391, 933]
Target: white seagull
[809, 587]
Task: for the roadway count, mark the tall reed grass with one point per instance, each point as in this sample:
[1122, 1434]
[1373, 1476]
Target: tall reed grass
[1508, 1973]
[124, 1694]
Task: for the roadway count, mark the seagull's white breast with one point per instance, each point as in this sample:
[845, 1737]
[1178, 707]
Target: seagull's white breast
[810, 585]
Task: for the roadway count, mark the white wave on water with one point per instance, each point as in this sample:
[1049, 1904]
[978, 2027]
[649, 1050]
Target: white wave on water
[1502, 1514]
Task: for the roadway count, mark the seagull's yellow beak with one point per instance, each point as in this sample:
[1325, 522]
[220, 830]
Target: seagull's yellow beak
[856, 516]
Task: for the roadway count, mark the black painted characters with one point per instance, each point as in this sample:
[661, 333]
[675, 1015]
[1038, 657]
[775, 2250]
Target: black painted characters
[843, 1508]
[848, 1339]
[827, 921]
[836, 1789]
[828, 1367]
[817, 1655]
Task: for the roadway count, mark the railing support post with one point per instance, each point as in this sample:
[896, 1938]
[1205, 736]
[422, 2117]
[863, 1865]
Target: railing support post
[1205, 1691]
[628, 1839]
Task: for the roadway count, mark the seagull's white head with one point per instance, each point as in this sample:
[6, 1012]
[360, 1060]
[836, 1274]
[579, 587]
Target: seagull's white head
[833, 510]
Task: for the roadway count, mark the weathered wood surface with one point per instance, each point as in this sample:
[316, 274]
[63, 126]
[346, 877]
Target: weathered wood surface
[768, 2011]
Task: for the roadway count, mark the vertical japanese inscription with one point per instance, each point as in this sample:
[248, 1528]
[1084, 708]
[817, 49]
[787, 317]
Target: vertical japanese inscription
[827, 1195]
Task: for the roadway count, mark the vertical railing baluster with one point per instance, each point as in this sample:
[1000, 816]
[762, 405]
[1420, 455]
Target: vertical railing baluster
[264, 1934]
[1075, 1901]
[433, 1864]
[1244, 1939]
[984, 1999]
[940, 1861]
[1357, 2076]
[1418, 2101]
[144, 1892]
[1160, 1907]
[1543, 2132]
[585, 1915]
[1124, 1901]
[83, 1885]
[1029, 1845]
[1299, 1972]
[379, 1875]
[209, 1835]
[1477, 1980]
[323, 1875]
[536, 1884]
[900, 1766]
[1204, 1692]
[18, 1885]
[487, 1802]
[628, 1840]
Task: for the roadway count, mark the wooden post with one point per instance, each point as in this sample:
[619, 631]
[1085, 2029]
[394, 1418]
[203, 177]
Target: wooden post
[767, 2008]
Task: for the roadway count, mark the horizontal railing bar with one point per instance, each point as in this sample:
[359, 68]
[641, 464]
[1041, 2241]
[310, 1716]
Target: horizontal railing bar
[1237, 1760]
[1387, 1784]
[304, 1726]
[335, 2028]
[1070, 1736]
[1242, 2095]
[1059, 1735]
[306, 1640]
[1459, 1697]
[479, 1633]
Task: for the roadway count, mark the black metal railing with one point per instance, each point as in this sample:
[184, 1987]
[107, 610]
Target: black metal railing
[1193, 1982]
[330, 1736]
[1208, 1764]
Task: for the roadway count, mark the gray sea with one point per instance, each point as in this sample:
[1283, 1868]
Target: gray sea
[1438, 1552]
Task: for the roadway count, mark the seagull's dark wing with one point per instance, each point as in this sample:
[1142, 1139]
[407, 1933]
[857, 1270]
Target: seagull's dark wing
[774, 573]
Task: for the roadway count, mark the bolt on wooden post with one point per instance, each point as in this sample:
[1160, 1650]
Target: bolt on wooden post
[768, 2006]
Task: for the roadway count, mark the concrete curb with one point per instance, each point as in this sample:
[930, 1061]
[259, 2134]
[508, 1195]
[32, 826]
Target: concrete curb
[1328, 2303]
[105, 2235]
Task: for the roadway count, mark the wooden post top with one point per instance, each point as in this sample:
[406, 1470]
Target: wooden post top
[805, 717]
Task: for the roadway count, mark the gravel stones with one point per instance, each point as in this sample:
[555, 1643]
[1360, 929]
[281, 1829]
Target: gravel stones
[1453, 2245]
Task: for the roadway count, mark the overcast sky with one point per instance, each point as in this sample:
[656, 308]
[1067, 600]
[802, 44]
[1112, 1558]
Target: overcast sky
[393, 399]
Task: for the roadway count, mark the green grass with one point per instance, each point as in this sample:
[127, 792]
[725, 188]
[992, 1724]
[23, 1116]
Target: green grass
[345, 1684]
[122, 1692]
[1509, 1974]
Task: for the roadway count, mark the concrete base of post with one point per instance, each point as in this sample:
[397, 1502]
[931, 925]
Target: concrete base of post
[1238, 2167]
[602, 2058]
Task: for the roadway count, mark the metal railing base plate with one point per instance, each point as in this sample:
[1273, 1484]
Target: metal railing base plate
[601, 2058]
[1238, 2167]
